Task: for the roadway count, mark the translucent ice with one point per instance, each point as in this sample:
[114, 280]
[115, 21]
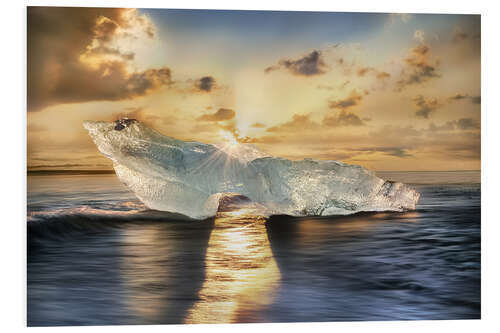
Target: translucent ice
[191, 177]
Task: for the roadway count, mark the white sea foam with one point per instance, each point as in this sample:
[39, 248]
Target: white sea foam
[190, 177]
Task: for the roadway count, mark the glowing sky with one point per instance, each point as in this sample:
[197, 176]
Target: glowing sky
[386, 91]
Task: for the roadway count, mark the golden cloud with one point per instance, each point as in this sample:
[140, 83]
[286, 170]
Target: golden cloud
[72, 57]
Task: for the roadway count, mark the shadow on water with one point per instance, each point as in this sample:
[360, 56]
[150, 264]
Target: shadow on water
[163, 270]
[376, 266]
[109, 273]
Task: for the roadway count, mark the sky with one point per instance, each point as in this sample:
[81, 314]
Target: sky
[394, 92]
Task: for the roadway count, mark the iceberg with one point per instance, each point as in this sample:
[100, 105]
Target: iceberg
[191, 178]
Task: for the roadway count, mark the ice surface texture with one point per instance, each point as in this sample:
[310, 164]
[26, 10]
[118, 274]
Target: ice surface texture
[191, 177]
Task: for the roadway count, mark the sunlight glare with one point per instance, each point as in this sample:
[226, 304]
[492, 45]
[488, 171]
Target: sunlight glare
[229, 138]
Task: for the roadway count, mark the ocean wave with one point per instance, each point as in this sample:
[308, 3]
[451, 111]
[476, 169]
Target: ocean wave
[61, 223]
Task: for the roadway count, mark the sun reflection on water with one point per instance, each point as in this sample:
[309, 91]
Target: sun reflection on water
[241, 273]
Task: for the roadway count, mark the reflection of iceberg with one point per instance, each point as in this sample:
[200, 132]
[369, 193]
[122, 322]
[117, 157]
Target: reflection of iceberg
[190, 177]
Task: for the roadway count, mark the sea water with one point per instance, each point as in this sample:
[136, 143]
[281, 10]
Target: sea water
[98, 256]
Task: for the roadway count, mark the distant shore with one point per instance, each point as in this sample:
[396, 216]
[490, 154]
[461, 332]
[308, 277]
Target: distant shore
[68, 172]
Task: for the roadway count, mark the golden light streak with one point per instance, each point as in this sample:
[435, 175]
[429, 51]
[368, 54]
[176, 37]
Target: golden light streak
[241, 272]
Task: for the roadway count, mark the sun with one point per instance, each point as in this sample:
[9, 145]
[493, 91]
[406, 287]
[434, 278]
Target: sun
[229, 138]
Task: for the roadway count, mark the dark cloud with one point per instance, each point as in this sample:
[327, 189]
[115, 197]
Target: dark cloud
[462, 124]
[381, 75]
[206, 83]
[365, 70]
[448, 126]
[271, 68]
[60, 37]
[458, 97]
[352, 100]
[395, 151]
[309, 65]
[473, 99]
[468, 123]
[110, 81]
[419, 67]
[343, 118]
[425, 106]
[221, 115]
[401, 152]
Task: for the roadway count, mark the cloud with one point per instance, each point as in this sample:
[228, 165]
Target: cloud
[425, 107]
[206, 83]
[389, 134]
[383, 75]
[258, 125]
[462, 124]
[302, 123]
[468, 123]
[343, 118]
[448, 126]
[309, 65]
[459, 35]
[364, 70]
[73, 57]
[297, 123]
[395, 151]
[475, 99]
[419, 67]
[221, 115]
[401, 152]
[271, 68]
[352, 100]
[459, 96]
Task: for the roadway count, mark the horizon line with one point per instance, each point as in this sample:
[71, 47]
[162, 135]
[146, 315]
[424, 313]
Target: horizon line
[113, 171]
